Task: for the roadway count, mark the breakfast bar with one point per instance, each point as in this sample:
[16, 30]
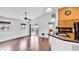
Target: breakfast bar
[64, 43]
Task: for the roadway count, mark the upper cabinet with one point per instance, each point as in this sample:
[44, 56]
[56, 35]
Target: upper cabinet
[68, 13]
[67, 16]
[65, 23]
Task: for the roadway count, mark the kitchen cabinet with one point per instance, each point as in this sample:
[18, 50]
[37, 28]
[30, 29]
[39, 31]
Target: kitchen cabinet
[61, 23]
[59, 45]
[65, 23]
[69, 23]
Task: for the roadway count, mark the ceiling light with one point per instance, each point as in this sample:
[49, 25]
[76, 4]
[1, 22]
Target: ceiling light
[49, 10]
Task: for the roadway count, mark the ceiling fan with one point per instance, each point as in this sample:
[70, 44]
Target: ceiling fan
[26, 17]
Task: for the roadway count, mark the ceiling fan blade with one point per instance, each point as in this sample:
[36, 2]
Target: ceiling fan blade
[29, 19]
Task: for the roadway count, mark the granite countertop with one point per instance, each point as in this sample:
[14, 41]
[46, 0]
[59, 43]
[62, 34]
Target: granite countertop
[69, 38]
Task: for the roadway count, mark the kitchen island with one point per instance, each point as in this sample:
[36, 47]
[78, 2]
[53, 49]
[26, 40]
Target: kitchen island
[64, 43]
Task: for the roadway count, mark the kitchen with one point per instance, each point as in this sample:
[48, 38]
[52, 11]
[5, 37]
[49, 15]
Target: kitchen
[52, 29]
[67, 39]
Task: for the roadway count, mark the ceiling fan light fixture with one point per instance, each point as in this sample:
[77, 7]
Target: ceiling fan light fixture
[49, 10]
[25, 18]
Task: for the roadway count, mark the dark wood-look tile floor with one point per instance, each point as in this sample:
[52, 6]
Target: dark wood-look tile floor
[24, 44]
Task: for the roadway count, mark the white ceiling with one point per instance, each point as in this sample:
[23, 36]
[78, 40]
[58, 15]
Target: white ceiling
[18, 12]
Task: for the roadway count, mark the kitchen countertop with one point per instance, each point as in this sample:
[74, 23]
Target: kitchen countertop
[66, 38]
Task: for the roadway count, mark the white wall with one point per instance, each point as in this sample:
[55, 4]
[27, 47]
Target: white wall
[15, 29]
[43, 23]
[56, 19]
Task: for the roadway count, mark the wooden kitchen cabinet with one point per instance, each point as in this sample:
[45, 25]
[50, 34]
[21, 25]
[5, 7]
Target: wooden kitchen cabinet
[65, 23]
[61, 23]
[69, 23]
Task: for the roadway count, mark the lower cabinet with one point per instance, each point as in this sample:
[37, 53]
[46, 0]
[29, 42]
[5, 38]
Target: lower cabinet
[75, 47]
[59, 45]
